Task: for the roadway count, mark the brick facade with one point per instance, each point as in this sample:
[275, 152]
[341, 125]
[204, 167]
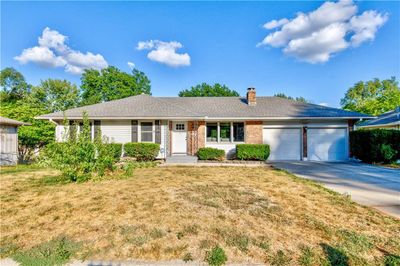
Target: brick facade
[253, 132]
[196, 136]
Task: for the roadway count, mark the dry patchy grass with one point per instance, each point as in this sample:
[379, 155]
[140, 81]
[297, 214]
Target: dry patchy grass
[257, 215]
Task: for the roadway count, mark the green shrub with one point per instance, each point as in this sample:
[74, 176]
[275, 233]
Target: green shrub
[252, 152]
[142, 151]
[116, 149]
[79, 157]
[216, 256]
[211, 154]
[376, 145]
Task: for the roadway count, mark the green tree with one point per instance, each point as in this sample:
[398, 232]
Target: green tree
[16, 104]
[30, 138]
[206, 90]
[13, 85]
[55, 95]
[297, 99]
[111, 84]
[372, 97]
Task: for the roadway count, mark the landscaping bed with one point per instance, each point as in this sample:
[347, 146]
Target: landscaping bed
[204, 214]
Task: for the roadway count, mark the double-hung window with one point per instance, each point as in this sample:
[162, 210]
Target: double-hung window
[225, 132]
[146, 132]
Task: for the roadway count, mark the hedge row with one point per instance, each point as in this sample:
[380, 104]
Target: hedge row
[139, 150]
[142, 151]
[258, 152]
[376, 145]
[211, 154]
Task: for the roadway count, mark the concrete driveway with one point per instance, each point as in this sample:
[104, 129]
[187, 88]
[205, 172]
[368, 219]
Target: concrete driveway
[369, 185]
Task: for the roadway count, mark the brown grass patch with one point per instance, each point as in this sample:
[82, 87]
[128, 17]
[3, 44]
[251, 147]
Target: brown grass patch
[256, 214]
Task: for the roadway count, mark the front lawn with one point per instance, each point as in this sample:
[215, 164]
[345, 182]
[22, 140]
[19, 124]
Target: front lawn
[248, 214]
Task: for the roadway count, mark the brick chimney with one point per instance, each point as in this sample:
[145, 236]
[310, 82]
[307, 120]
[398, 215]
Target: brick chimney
[251, 96]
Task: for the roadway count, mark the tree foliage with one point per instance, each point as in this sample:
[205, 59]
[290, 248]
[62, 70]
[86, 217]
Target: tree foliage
[23, 102]
[372, 97]
[55, 95]
[33, 137]
[13, 85]
[297, 99]
[111, 84]
[206, 90]
[79, 158]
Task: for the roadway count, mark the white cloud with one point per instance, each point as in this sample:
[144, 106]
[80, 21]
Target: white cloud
[275, 23]
[131, 65]
[315, 36]
[324, 104]
[54, 52]
[366, 25]
[40, 55]
[165, 52]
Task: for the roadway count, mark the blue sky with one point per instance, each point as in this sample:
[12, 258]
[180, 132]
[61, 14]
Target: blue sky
[196, 42]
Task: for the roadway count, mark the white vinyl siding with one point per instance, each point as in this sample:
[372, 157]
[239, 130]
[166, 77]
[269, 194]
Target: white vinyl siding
[118, 131]
[230, 149]
[8, 145]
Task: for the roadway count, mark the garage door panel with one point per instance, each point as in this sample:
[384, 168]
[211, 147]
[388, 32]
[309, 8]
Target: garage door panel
[327, 144]
[285, 143]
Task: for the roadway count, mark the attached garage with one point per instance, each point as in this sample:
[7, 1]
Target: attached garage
[285, 143]
[327, 144]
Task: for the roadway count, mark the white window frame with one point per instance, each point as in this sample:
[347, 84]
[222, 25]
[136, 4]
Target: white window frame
[152, 130]
[219, 131]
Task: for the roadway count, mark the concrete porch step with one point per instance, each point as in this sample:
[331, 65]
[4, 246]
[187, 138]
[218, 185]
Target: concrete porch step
[177, 159]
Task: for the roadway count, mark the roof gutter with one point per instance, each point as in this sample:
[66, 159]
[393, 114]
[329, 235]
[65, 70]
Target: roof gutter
[204, 118]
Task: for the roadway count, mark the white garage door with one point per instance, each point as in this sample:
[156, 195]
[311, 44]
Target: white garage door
[285, 143]
[327, 144]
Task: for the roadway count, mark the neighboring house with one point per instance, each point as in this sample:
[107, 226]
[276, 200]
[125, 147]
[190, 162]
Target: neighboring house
[182, 125]
[388, 120]
[9, 140]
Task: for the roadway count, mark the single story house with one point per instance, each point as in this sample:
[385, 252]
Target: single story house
[182, 125]
[388, 120]
[9, 140]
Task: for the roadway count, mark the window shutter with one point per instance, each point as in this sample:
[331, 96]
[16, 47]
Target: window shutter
[97, 124]
[158, 131]
[134, 135]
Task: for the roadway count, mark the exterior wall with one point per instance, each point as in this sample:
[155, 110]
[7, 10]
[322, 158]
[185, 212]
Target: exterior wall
[229, 148]
[61, 132]
[120, 131]
[253, 132]
[196, 136]
[8, 145]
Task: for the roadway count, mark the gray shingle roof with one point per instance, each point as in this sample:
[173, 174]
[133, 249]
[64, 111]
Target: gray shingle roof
[142, 106]
[388, 118]
[12, 122]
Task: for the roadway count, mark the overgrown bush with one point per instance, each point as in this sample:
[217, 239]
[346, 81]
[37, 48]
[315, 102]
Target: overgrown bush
[79, 157]
[211, 154]
[376, 145]
[116, 149]
[142, 151]
[252, 152]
